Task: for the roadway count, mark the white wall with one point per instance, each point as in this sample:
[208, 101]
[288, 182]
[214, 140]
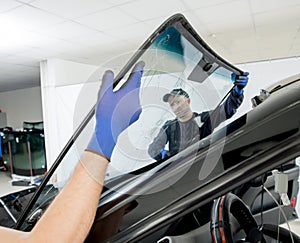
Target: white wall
[61, 84]
[22, 105]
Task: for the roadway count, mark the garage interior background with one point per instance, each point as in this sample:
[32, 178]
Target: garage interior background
[49, 49]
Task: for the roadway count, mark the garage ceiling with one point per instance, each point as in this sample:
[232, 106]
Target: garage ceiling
[92, 31]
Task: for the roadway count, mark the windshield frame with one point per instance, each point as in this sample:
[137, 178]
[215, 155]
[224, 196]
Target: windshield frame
[184, 27]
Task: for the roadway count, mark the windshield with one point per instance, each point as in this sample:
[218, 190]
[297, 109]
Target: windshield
[174, 58]
[172, 62]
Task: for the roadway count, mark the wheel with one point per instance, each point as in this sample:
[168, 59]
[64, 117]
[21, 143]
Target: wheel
[230, 215]
[232, 221]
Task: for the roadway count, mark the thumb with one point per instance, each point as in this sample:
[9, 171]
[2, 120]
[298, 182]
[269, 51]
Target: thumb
[134, 79]
[107, 83]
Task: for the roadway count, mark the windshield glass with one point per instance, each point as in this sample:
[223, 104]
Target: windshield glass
[173, 60]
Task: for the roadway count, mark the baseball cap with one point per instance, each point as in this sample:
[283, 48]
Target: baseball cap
[175, 92]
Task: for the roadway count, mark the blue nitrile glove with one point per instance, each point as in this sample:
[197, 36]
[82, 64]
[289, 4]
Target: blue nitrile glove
[240, 82]
[163, 153]
[115, 111]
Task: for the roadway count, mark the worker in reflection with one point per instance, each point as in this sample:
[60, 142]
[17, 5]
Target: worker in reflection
[189, 127]
[70, 216]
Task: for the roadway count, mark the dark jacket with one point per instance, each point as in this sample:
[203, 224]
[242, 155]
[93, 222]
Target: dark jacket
[205, 122]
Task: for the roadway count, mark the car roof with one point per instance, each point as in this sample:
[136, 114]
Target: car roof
[283, 83]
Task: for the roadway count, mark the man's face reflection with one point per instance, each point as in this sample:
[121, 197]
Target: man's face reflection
[180, 105]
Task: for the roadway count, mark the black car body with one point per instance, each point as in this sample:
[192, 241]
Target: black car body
[174, 197]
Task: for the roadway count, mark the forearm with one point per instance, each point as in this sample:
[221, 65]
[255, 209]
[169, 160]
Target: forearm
[232, 103]
[226, 110]
[157, 145]
[154, 152]
[77, 202]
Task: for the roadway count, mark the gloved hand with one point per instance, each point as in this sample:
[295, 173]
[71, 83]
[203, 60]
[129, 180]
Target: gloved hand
[240, 82]
[115, 111]
[164, 153]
